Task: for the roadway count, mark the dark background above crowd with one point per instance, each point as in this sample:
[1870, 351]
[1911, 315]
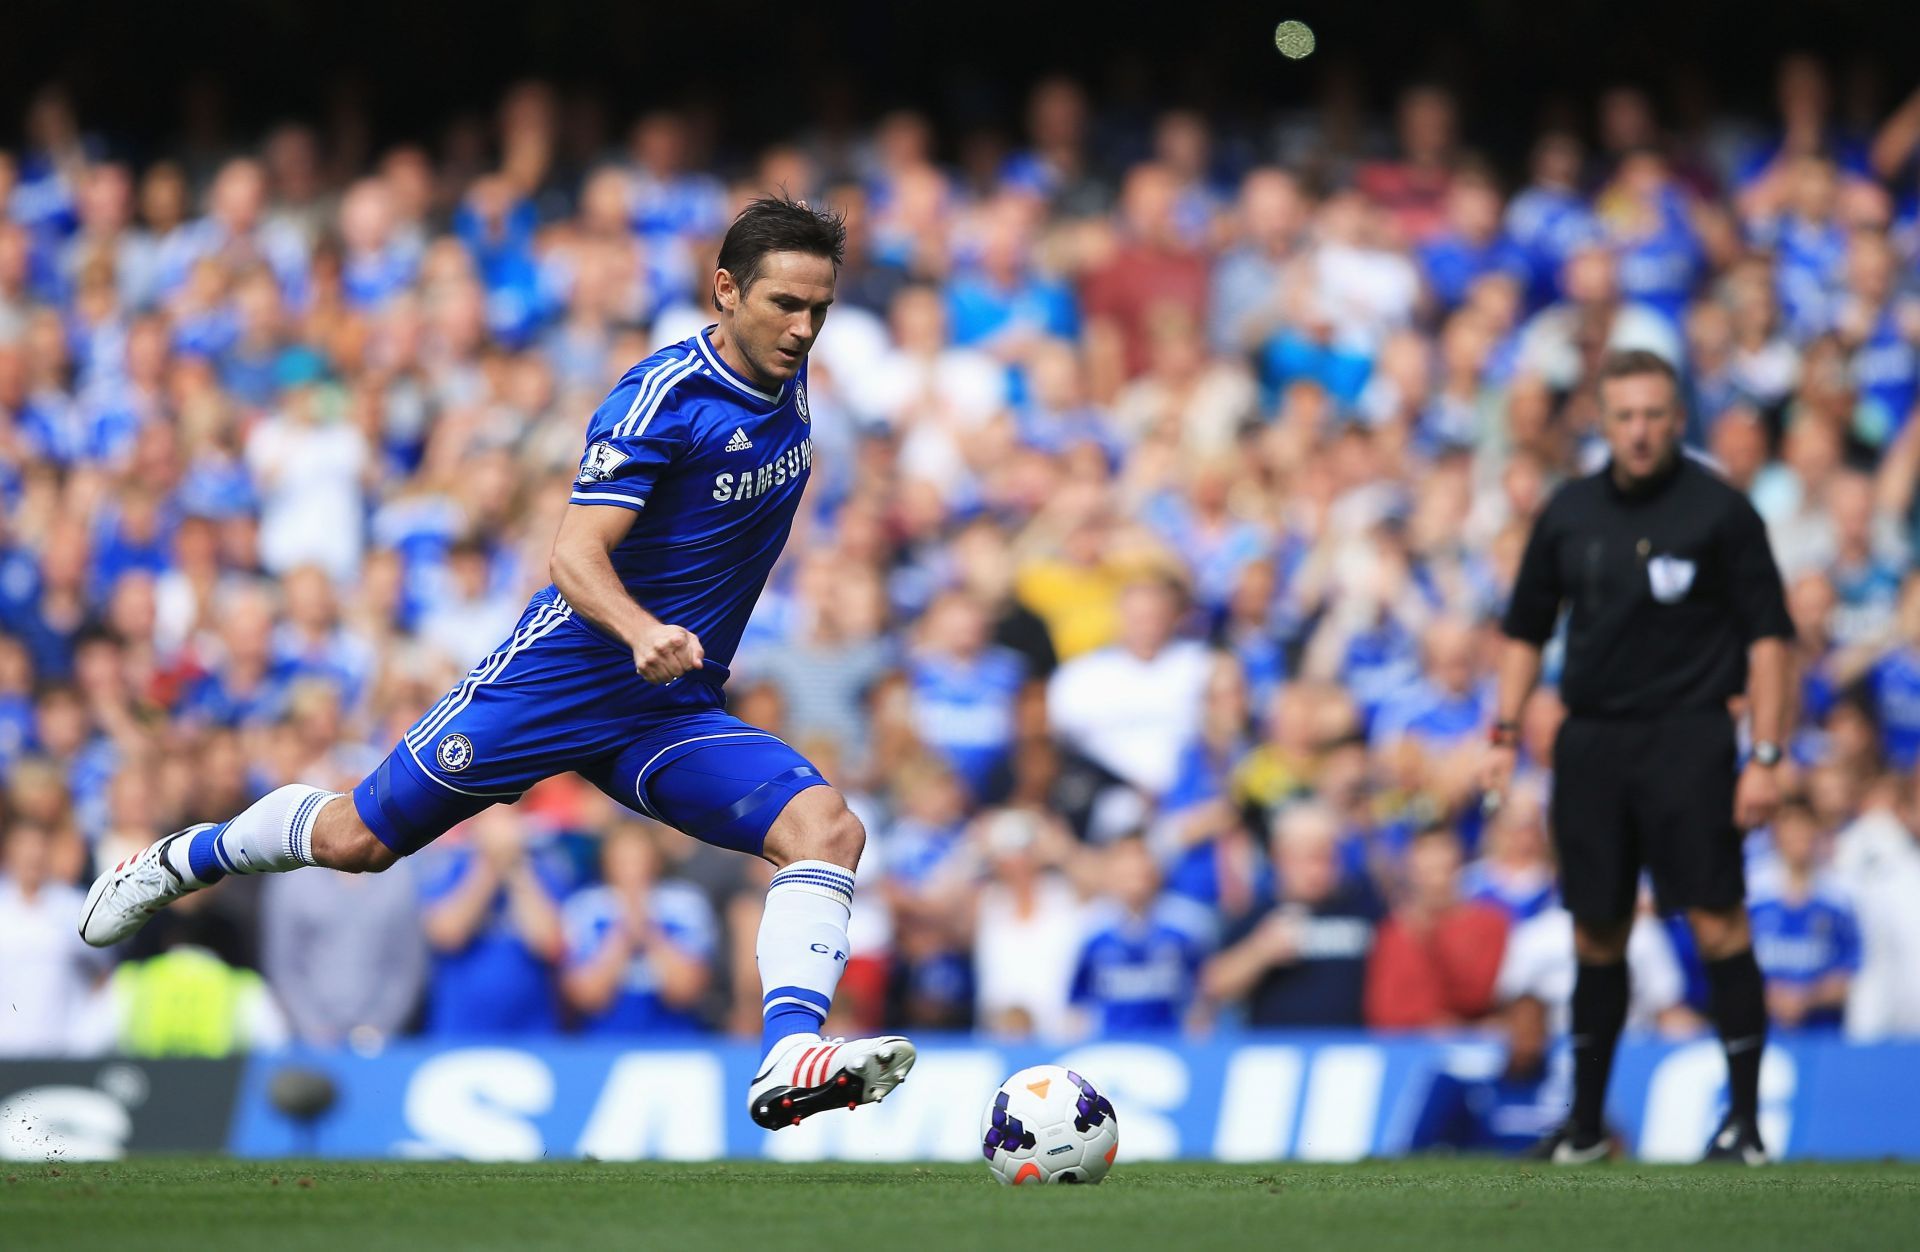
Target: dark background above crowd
[161, 75]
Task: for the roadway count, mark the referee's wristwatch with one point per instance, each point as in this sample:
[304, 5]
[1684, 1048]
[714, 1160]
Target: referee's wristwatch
[1765, 753]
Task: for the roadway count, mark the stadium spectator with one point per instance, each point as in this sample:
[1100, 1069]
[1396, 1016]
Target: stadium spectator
[1151, 267]
[1805, 935]
[1876, 860]
[966, 690]
[1130, 708]
[1138, 968]
[48, 973]
[639, 947]
[1028, 926]
[344, 954]
[832, 658]
[1437, 955]
[1304, 961]
[1563, 342]
[1515, 868]
[187, 1000]
[492, 919]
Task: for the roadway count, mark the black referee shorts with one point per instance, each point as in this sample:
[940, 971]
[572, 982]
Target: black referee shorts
[1654, 793]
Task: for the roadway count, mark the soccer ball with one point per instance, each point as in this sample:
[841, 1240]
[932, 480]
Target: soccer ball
[1049, 1124]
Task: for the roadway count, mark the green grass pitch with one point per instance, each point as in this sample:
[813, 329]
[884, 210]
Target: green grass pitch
[209, 1205]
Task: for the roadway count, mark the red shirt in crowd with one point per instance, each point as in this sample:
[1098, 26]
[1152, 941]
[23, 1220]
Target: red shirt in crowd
[1438, 975]
[1138, 280]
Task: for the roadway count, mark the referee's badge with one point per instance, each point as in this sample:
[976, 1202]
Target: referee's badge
[1670, 578]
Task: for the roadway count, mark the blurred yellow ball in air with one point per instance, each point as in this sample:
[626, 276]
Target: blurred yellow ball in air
[1294, 39]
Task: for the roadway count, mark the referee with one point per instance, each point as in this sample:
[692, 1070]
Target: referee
[1675, 608]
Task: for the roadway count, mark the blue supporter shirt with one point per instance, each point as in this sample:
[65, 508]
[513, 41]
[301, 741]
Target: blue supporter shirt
[680, 206]
[1886, 368]
[1217, 556]
[1140, 973]
[370, 279]
[1379, 664]
[16, 727]
[1895, 683]
[504, 259]
[1659, 268]
[979, 309]
[495, 985]
[1452, 264]
[1809, 268]
[686, 920]
[1549, 224]
[1437, 718]
[1801, 943]
[715, 468]
[964, 709]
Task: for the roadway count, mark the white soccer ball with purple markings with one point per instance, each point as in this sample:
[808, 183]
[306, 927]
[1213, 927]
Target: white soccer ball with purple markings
[1049, 1124]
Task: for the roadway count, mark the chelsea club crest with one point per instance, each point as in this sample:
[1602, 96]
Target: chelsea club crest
[800, 401]
[455, 753]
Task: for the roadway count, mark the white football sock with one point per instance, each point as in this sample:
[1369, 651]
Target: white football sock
[802, 947]
[274, 834]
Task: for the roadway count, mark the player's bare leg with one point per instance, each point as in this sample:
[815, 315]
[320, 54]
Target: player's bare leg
[293, 826]
[814, 845]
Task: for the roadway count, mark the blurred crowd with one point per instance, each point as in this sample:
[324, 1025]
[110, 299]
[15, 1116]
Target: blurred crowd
[1170, 478]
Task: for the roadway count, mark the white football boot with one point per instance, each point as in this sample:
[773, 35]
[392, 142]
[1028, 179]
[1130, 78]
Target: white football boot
[805, 1074]
[123, 898]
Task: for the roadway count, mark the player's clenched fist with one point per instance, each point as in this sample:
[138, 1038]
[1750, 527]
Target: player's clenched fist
[663, 653]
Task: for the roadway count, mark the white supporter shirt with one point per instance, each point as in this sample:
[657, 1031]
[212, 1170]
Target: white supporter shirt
[46, 973]
[1539, 963]
[1877, 862]
[1366, 293]
[311, 507]
[1130, 716]
[1027, 962]
[1547, 347]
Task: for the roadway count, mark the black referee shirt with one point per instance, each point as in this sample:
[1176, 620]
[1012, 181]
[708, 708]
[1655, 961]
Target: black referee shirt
[1667, 587]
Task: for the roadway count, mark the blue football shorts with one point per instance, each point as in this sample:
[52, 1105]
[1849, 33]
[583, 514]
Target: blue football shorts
[557, 697]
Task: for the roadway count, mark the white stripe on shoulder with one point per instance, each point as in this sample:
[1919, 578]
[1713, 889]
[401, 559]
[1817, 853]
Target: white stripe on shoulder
[611, 496]
[647, 385]
[632, 428]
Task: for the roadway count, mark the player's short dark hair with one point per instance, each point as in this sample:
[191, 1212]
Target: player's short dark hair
[779, 224]
[1636, 362]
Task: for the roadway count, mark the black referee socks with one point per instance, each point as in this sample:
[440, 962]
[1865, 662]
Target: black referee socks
[1599, 1013]
[1738, 997]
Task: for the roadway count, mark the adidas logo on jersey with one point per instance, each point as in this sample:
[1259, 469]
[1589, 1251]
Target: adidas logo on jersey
[739, 442]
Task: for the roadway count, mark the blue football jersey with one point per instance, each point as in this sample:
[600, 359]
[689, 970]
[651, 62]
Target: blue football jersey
[715, 467]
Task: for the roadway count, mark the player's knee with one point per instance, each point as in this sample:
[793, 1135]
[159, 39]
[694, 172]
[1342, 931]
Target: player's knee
[342, 841]
[1601, 943]
[818, 827]
[844, 838]
[1720, 933]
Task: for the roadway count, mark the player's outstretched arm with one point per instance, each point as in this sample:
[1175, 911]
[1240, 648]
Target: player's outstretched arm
[582, 568]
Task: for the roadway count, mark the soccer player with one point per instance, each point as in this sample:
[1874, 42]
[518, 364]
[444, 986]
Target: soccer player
[693, 470]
